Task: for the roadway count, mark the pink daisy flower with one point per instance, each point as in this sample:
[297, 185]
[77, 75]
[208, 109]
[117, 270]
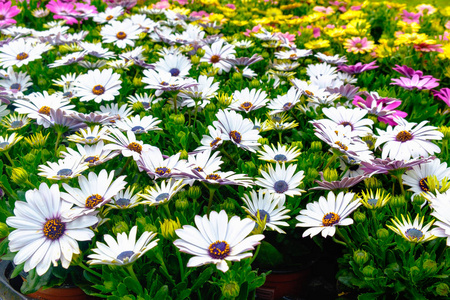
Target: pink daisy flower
[7, 12]
[416, 81]
[444, 95]
[358, 45]
[63, 11]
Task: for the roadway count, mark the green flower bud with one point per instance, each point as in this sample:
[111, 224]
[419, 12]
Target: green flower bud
[264, 78]
[181, 204]
[316, 146]
[237, 76]
[359, 217]
[445, 131]
[201, 52]
[265, 54]
[194, 192]
[195, 59]
[430, 266]
[156, 106]
[137, 81]
[168, 228]
[167, 108]
[330, 174]
[418, 200]
[263, 141]
[249, 167]
[228, 205]
[369, 271]
[230, 289]
[3, 230]
[373, 118]
[184, 154]
[372, 183]
[19, 175]
[360, 257]
[120, 227]
[29, 158]
[312, 174]
[308, 61]
[254, 83]
[302, 71]
[382, 125]
[204, 64]
[210, 107]
[415, 272]
[442, 289]
[298, 145]
[398, 201]
[179, 119]
[382, 233]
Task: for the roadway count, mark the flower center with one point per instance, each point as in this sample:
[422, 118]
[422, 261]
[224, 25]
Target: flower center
[293, 56]
[413, 234]
[423, 183]
[2, 17]
[93, 200]
[236, 136]
[174, 72]
[213, 176]
[161, 171]
[121, 35]
[67, 95]
[280, 186]
[198, 169]
[342, 146]
[123, 202]
[215, 142]
[287, 106]
[162, 197]
[345, 123]
[98, 90]
[16, 124]
[353, 167]
[54, 229]
[64, 172]
[135, 147]
[309, 93]
[125, 255]
[215, 59]
[262, 215]
[358, 45]
[163, 83]
[22, 56]
[246, 105]
[219, 250]
[4, 144]
[90, 139]
[330, 219]
[404, 136]
[280, 157]
[44, 110]
[138, 129]
[15, 86]
[109, 17]
[372, 201]
[91, 159]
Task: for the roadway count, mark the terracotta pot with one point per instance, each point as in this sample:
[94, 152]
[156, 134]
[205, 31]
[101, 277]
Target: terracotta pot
[61, 293]
[283, 283]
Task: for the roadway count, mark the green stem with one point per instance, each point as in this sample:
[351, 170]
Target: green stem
[166, 208]
[57, 140]
[345, 241]
[256, 254]
[89, 270]
[332, 159]
[400, 182]
[180, 263]
[125, 166]
[211, 196]
[195, 112]
[9, 158]
[227, 155]
[30, 184]
[130, 270]
[175, 103]
[279, 136]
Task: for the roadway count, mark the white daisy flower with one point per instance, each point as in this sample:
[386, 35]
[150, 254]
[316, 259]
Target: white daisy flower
[224, 178]
[16, 82]
[134, 55]
[20, 52]
[412, 231]
[98, 85]
[124, 251]
[96, 49]
[334, 60]
[293, 54]
[265, 206]
[120, 33]
[66, 80]
[110, 14]
[217, 240]
[285, 102]
[237, 130]
[441, 207]
[200, 94]
[164, 81]
[128, 145]
[93, 155]
[205, 162]
[351, 166]
[215, 54]
[319, 71]
[176, 65]
[248, 100]
[68, 59]
[89, 135]
[324, 215]
[125, 199]
[351, 117]
[113, 109]
[12, 121]
[138, 125]
[96, 191]
[69, 167]
[144, 23]
[279, 154]
[157, 195]
[43, 235]
[8, 141]
[407, 140]
[243, 44]
[156, 165]
[145, 99]
[211, 141]
[281, 181]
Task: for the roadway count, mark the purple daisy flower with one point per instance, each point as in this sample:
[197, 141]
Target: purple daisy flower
[420, 83]
[407, 71]
[444, 95]
[358, 68]
[345, 183]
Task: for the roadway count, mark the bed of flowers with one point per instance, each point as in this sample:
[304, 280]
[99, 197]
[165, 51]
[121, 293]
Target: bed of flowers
[189, 149]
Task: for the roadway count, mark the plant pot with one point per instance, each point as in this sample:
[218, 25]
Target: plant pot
[60, 293]
[281, 284]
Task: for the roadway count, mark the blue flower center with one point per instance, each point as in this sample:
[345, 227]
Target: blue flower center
[215, 142]
[98, 90]
[423, 184]
[280, 186]
[124, 255]
[372, 201]
[93, 200]
[122, 202]
[219, 250]
[161, 171]
[236, 136]
[213, 176]
[90, 139]
[280, 157]
[138, 129]
[414, 233]
[162, 197]
[263, 214]
[174, 72]
[4, 144]
[287, 106]
[91, 159]
[15, 86]
[64, 172]
[16, 124]
[330, 219]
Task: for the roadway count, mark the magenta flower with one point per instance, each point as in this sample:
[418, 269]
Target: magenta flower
[418, 82]
[407, 71]
[410, 17]
[7, 12]
[358, 68]
[444, 95]
[65, 11]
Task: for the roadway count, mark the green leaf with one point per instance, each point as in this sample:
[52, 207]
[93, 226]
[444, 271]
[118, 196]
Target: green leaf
[133, 285]
[184, 294]
[17, 270]
[34, 282]
[162, 293]
[202, 278]
[122, 289]
[369, 296]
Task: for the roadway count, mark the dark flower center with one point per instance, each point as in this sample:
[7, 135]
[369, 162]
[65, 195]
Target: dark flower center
[213, 176]
[342, 146]
[64, 172]
[90, 139]
[162, 197]
[2, 17]
[246, 105]
[372, 201]
[413, 233]
[309, 93]
[122, 202]
[15, 86]
[236, 136]
[287, 106]
[124, 255]
[345, 123]
[215, 59]
[16, 124]
[330, 219]
[138, 129]
[404, 136]
[423, 183]
[93, 200]
[293, 56]
[280, 157]
[164, 83]
[198, 169]
[121, 35]
[22, 56]
[262, 215]
[219, 250]
[280, 186]
[54, 229]
[161, 171]
[135, 147]
[174, 72]
[91, 159]
[67, 95]
[44, 110]
[98, 90]
[215, 142]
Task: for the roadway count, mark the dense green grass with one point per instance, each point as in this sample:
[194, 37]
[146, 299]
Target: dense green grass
[436, 3]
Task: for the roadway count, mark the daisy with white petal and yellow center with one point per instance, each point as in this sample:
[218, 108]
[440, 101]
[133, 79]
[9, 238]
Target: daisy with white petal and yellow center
[125, 199]
[126, 250]
[157, 195]
[412, 231]
[281, 181]
[293, 54]
[93, 155]
[20, 52]
[96, 50]
[43, 236]
[67, 168]
[265, 207]
[280, 154]
[215, 54]
[89, 135]
[110, 14]
[120, 33]
[138, 125]
[285, 102]
[406, 140]
[248, 100]
[94, 192]
[217, 240]
[98, 85]
[325, 215]
[157, 166]
[146, 100]
[200, 94]
[127, 144]
[163, 81]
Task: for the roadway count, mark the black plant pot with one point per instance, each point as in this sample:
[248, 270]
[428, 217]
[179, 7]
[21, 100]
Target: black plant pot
[9, 288]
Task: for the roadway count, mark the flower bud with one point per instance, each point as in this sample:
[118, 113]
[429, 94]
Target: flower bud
[359, 217]
[415, 272]
[445, 131]
[316, 146]
[195, 59]
[263, 141]
[249, 167]
[204, 64]
[156, 106]
[228, 205]
[29, 158]
[168, 228]
[382, 125]
[430, 266]
[201, 52]
[210, 107]
[265, 54]
[194, 192]
[167, 109]
[369, 271]
[264, 78]
[398, 201]
[19, 175]
[138, 107]
[382, 233]
[224, 100]
[181, 204]
[230, 290]
[120, 227]
[330, 175]
[442, 289]
[360, 257]
[373, 118]
[237, 76]
[418, 200]
[137, 81]
[254, 83]
[370, 141]
[179, 119]
[312, 174]
[372, 183]
[298, 145]
[3, 230]
[184, 154]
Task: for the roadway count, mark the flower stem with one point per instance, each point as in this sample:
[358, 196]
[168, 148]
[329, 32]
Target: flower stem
[9, 158]
[175, 103]
[166, 208]
[125, 166]
[211, 196]
[345, 241]
[57, 140]
[331, 160]
[89, 270]
[279, 136]
[227, 155]
[400, 182]
[256, 254]
[130, 270]
[180, 263]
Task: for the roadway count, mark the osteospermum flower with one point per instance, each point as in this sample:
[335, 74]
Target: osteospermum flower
[126, 250]
[211, 141]
[375, 200]
[407, 140]
[120, 33]
[69, 167]
[176, 65]
[441, 207]
[138, 125]
[125, 199]
[93, 155]
[164, 81]
[248, 100]
[157, 165]
[324, 215]
[281, 181]
[8, 141]
[128, 145]
[280, 154]
[285, 102]
[20, 52]
[412, 231]
[266, 207]
[89, 135]
[215, 54]
[98, 85]
[351, 117]
[94, 192]
[358, 45]
[43, 236]
[217, 240]
[157, 195]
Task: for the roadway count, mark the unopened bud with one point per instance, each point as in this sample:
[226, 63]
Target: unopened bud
[194, 192]
[168, 228]
[230, 290]
[316, 146]
[330, 175]
[360, 257]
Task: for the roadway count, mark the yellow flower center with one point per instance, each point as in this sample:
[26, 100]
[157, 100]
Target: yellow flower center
[93, 200]
[330, 219]
[98, 90]
[135, 147]
[215, 59]
[54, 229]
[404, 136]
[219, 250]
[22, 56]
[121, 35]
[44, 110]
